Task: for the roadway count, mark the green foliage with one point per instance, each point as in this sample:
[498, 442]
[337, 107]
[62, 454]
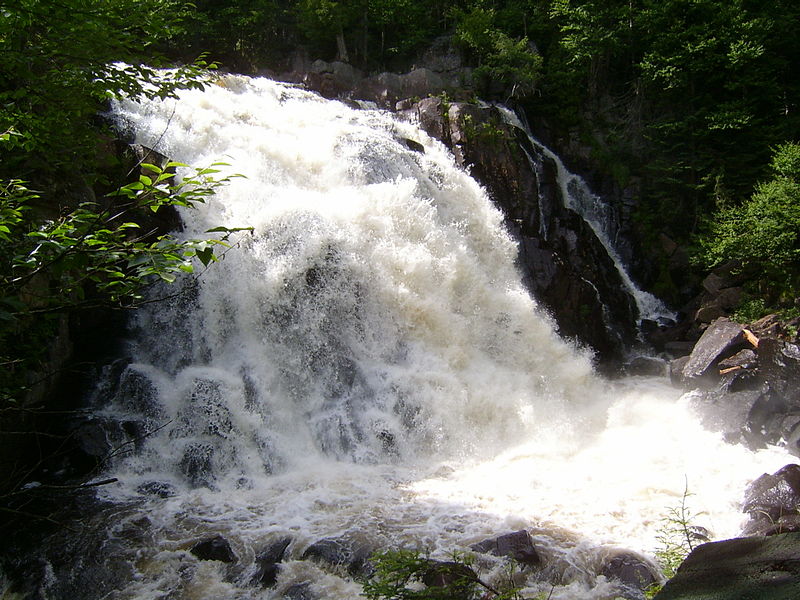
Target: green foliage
[762, 234]
[408, 575]
[61, 62]
[512, 63]
[750, 310]
[399, 575]
[678, 535]
[61, 249]
[90, 256]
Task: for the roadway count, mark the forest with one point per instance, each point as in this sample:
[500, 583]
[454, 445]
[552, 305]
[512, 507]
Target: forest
[694, 103]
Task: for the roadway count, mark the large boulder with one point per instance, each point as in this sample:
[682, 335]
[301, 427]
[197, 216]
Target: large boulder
[773, 502]
[752, 568]
[722, 339]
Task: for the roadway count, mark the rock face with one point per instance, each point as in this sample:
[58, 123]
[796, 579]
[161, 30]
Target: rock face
[754, 568]
[565, 265]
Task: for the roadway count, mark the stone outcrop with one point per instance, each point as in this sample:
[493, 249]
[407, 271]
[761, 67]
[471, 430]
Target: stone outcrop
[757, 568]
[564, 264]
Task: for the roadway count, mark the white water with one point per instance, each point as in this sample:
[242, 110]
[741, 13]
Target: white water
[368, 366]
[597, 214]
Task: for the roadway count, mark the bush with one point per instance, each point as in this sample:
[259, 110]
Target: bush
[762, 234]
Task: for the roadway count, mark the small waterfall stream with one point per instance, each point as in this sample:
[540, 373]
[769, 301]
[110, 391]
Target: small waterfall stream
[597, 214]
[367, 366]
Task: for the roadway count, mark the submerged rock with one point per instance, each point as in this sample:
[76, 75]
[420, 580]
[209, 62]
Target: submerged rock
[350, 554]
[633, 573]
[215, 548]
[517, 545]
[267, 561]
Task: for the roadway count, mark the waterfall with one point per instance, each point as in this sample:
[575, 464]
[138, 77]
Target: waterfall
[367, 366]
[599, 216]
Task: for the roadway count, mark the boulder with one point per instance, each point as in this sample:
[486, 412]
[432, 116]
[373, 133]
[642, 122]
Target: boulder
[773, 502]
[517, 545]
[722, 339]
[631, 570]
[752, 568]
[779, 365]
[267, 560]
[341, 552]
[214, 548]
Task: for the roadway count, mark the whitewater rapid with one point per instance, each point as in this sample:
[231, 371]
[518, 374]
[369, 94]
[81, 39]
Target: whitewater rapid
[367, 365]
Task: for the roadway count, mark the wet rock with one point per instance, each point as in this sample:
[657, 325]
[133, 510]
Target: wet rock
[267, 561]
[196, 464]
[135, 530]
[517, 545]
[215, 548]
[757, 568]
[779, 365]
[676, 367]
[138, 393]
[722, 338]
[97, 437]
[632, 571]
[299, 591]
[157, 488]
[773, 502]
[739, 415]
[413, 145]
[350, 554]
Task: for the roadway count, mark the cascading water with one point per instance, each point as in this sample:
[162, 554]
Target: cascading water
[597, 214]
[367, 367]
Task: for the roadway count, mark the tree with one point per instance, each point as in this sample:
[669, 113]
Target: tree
[70, 237]
[511, 64]
[762, 235]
